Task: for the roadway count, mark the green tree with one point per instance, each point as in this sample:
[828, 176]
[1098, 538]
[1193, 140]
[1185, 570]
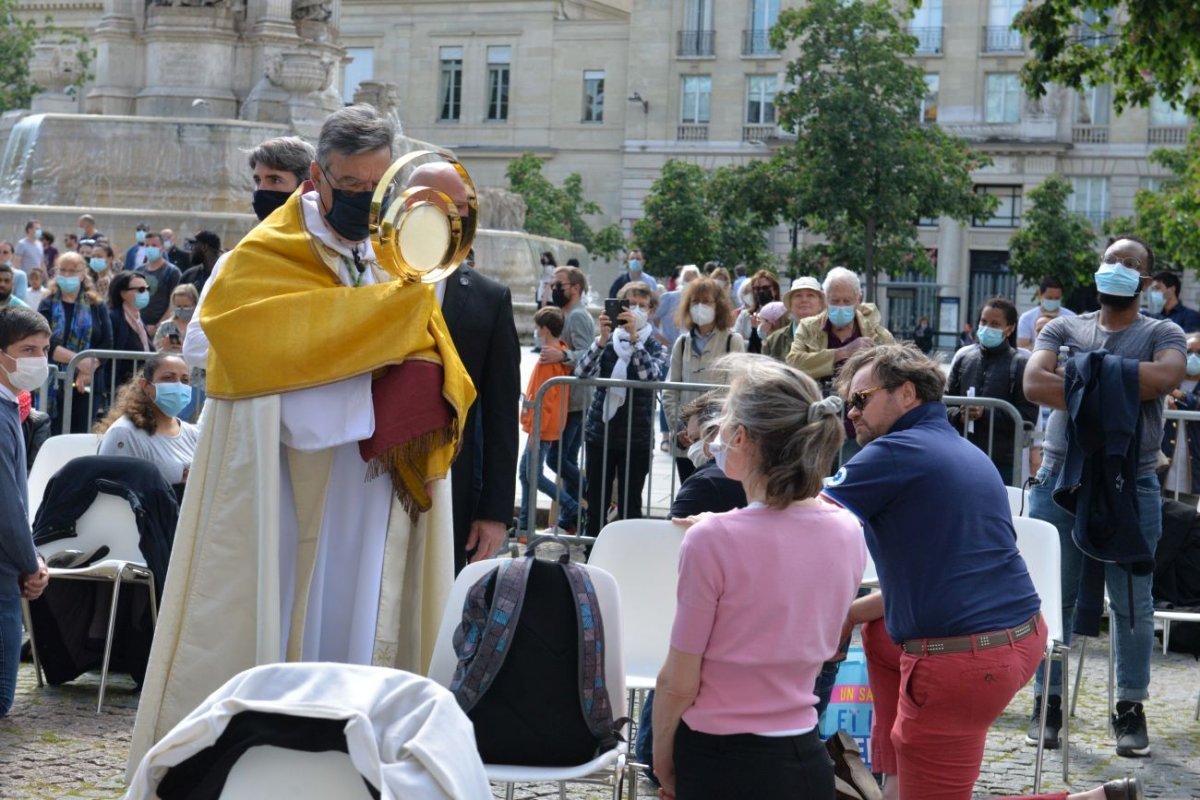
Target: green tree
[17, 39]
[869, 168]
[559, 212]
[1139, 46]
[1052, 241]
[1168, 218]
[679, 225]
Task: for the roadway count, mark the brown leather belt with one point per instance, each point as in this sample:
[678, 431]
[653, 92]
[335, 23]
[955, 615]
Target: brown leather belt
[968, 644]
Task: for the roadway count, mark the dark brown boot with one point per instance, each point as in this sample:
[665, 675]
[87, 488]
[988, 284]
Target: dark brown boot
[1124, 789]
[849, 767]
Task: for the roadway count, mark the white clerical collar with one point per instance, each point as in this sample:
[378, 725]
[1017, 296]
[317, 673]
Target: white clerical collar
[314, 220]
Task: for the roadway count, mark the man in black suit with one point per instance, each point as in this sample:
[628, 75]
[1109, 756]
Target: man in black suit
[478, 312]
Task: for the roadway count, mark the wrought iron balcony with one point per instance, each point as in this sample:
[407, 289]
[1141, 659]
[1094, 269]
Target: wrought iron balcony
[929, 41]
[696, 43]
[1002, 39]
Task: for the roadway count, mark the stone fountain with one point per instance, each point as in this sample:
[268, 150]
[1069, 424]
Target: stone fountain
[182, 89]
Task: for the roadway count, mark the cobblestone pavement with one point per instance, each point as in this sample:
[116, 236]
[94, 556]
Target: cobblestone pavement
[54, 745]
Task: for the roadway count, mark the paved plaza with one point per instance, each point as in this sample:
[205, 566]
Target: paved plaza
[54, 745]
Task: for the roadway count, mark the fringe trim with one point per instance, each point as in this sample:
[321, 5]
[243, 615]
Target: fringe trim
[407, 464]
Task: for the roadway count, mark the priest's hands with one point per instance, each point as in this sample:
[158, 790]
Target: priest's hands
[485, 538]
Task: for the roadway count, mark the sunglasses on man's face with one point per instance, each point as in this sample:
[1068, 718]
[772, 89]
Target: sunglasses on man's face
[858, 400]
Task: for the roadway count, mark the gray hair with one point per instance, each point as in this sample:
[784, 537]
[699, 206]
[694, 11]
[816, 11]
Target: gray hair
[772, 401]
[689, 272]
[355, 130]
[839, 274]
[284, 153]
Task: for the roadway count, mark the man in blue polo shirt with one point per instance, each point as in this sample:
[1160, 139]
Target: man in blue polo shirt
[958, 623]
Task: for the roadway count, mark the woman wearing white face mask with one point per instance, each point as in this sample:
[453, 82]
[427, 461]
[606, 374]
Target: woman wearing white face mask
[704, 317]
[618, 431]
[144, 421]
[78, 321]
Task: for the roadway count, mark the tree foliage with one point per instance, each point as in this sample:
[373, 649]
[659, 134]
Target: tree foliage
[1169, 219]
[678, 226]
[559, 212]
[1052, 240]
[1139, 46]
[866, 168]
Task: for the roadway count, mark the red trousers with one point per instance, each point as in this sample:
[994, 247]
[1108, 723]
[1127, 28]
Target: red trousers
[932, 713]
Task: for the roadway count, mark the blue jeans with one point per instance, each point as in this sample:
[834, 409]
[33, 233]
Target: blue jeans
[1132, 648]
[10, 649]
[567, 504]
[568, 445]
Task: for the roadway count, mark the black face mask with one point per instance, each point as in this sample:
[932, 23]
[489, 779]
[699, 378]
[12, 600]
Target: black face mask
[559, 297]
[763, 296]
[267, 200]
[350, 214]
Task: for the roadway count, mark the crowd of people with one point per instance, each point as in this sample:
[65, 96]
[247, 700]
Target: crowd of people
[825, 429]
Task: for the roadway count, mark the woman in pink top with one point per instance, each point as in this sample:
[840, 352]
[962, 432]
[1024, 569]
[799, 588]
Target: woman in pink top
[763, 592]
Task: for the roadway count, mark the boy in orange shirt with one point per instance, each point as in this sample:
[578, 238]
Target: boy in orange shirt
[548, 323]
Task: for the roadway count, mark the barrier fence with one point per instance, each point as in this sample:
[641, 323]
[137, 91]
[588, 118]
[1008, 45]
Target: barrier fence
[1179, 473]
[107, 371]
[636, 493]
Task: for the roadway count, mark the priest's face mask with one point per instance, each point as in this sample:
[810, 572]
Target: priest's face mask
[345, 186]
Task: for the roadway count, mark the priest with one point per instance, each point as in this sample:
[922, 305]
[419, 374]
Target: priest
[316, 525]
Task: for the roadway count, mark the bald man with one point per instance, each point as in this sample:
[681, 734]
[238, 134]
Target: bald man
[478, 312]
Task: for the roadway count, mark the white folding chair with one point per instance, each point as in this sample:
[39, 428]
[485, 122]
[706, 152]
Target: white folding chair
[54, 455]
[643, 556]
[1038, 542]
[1018, 500]
[270, 771]
[108, 522]
[1166, 617]
[606, 768]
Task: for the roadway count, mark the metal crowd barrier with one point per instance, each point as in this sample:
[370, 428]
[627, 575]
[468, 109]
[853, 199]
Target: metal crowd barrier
[1022, 430]
[1022, 436]
[1183, 418]
[108, 358]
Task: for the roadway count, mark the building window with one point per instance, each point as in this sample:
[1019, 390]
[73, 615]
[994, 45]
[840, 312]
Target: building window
[929, 102]
[998, 35]
[926, 25]
[1162, 115]
[757, 38]
[593, 95]
[1151, 183]
[1092, 105]
[1008, 213]
[760, 100]
[697, 100]
[362, 68]
[450, 91]
[1090, 199]
[1002, 97]
[499, 61]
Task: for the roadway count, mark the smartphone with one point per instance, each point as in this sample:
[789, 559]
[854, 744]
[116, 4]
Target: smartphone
[613, 308]
[174, 338]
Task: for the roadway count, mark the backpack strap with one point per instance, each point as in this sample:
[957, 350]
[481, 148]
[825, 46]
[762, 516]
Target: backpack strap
[482, 639]
[593, 688]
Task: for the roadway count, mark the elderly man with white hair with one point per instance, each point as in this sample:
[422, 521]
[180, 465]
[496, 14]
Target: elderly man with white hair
[822, 343]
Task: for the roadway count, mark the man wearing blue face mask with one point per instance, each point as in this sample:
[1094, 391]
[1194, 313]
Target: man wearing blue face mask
[162, 277]
[135, 256]
[1158, 345]
[824, 342]
[636, 272]
[1163, 302]
[1050, 296]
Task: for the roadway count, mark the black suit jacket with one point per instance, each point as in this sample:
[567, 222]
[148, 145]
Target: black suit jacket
[478, 312]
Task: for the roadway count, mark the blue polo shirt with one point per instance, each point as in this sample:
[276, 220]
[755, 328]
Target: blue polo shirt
[938, 525]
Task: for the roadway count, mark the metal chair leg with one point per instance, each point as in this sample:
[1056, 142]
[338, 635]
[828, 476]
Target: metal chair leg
[508, 791]
[1078, 673]
[1166, 634]
[1041, 745]
[37, 662]
[1196, 716]
[108, 640]
[1065, 650]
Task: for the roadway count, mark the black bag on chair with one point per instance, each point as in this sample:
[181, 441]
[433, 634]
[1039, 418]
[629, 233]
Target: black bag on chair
[531, 665]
